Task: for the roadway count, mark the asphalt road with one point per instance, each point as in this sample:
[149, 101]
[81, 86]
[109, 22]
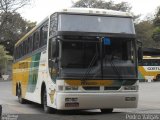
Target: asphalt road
[149, 103]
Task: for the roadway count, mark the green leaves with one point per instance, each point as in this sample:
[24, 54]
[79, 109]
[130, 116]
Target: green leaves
[156, 22]
[13, 27]
[123, 6]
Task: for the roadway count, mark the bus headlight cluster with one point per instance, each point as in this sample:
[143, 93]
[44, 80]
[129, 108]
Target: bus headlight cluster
[71, 87]
[135, 87]
[61, 87]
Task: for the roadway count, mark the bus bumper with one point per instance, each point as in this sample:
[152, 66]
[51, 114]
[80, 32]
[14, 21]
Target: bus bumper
[69, 101]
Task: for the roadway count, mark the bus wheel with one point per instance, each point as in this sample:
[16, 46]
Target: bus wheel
[45, 107]
[19, 94]
[107, 110]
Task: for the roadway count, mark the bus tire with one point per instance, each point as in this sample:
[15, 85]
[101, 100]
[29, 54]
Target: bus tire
[19, 94]
[46, 108]
[107, 110]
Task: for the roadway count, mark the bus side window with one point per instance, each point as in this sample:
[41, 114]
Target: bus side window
[30, 44]
[43, 34]
[21, 50]
[36, 40]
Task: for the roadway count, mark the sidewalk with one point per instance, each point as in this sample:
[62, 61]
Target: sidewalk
[1, 80]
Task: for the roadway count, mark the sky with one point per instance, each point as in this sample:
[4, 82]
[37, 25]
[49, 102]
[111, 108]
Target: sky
[39, 9]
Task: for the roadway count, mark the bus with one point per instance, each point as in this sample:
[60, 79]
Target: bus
[79, 58]
[149, 69]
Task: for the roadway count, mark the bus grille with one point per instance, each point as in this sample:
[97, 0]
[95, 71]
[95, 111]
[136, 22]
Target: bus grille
[91, 88]
[112, 88]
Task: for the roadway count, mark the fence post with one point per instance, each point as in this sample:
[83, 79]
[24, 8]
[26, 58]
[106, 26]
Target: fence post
[0, 112]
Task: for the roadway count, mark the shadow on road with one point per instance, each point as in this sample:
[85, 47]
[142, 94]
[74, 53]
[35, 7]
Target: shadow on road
[82, 112]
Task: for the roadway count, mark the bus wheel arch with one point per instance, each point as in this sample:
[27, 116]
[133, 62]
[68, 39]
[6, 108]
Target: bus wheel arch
[46, 108]
[43, 87]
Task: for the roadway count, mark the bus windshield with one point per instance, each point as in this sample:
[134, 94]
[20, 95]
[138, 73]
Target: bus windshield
[100, 24]
[83, 56]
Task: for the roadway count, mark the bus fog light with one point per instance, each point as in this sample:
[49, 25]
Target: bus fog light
[130, 87]
[71, 87]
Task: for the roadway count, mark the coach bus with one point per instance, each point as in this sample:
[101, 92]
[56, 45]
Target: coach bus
[78, 58]
[149, 69]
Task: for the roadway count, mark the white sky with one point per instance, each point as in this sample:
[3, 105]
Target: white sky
[41, 8]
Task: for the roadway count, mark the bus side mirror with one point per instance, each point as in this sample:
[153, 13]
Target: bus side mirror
[55, 49]
[140, 54]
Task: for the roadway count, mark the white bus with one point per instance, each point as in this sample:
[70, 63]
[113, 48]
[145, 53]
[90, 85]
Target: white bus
[78, 58]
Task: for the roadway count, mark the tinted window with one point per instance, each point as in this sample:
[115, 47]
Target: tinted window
[43, 34]
[36, 40]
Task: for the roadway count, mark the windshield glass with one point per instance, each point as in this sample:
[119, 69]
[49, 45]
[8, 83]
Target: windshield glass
[100, 24]
[83, 57]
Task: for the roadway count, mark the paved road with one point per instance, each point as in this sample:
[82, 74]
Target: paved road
[149, 102]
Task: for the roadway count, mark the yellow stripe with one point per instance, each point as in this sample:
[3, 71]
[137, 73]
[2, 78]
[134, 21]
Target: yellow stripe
[89, 82]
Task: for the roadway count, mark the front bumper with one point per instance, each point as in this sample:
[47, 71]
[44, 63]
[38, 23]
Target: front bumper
[97, 100]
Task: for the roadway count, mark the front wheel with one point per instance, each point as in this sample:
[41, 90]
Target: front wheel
[107, 110]
[45, 107]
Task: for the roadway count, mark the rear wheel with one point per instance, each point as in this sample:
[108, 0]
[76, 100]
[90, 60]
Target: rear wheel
[107, 110]
[19, 94]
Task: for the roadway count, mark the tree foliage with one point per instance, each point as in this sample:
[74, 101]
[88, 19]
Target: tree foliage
[144, 31]
[156, 22]
[2, 57]
[12, 5]
[12, 25]
[13, 28]
[123, 6]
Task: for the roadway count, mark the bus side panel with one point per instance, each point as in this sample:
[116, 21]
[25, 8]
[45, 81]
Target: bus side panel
[37, 75]
[21, 75]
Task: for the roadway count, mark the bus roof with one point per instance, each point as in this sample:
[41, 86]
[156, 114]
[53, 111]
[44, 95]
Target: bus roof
[80, 11]
[95, 11]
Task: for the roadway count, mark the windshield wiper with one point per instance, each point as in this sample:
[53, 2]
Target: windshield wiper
[90, 67]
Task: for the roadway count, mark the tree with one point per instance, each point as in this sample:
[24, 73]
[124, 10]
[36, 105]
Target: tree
[13, 28]
[123, 6]
[144, 31]
[156, 22]
[12, 25]
[3, 58]
[12, 5]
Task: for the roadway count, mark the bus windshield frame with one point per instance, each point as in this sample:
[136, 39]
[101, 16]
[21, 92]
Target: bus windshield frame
[120, 67]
